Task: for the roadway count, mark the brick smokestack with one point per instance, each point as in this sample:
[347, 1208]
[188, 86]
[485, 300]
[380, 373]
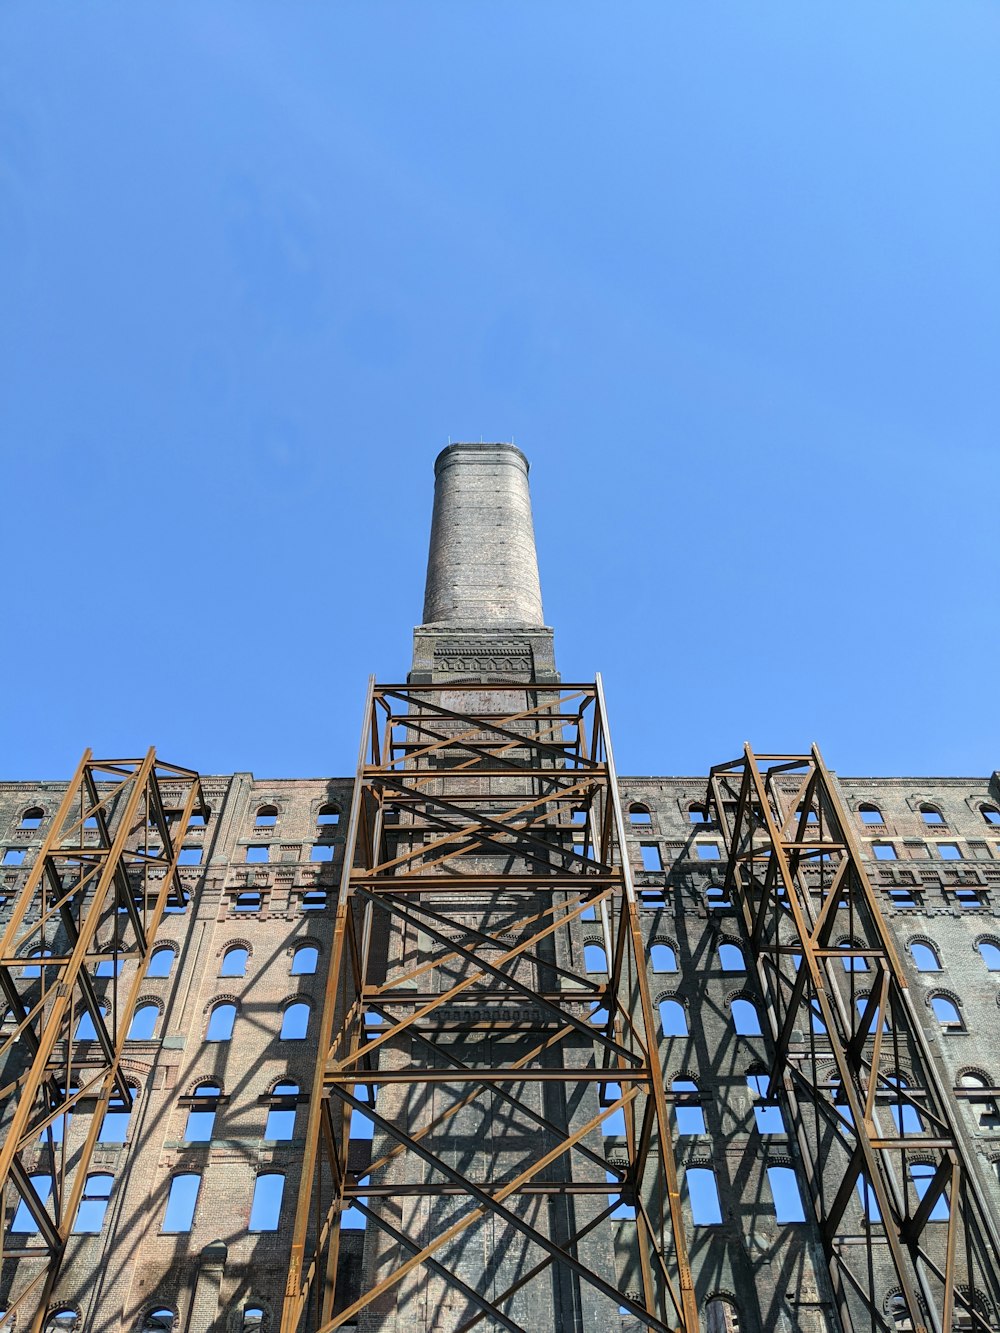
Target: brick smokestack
[482, 570]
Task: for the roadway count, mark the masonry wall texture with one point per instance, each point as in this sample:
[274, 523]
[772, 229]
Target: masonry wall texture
[933, 845]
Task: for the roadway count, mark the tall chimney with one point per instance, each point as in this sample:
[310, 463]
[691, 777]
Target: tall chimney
[483, 601]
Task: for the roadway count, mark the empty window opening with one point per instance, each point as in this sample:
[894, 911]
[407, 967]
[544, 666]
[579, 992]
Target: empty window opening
[267, 816]
[639, 814]
[253, 1319]
[160, 1320]
[613, 1124]
[143, 1025]
[922, 1173]
[58, 1127]
[328, 816]
[623, 1212]
[984, 1108]
[62, 1321]
[201, 1114]
[651, 859]
[816, 1018]
[85, 1029]
[869, 1204]
[902, 898]
[114, 1126]
[257, 854]
[304, 960]
[94, 1203]
[161, 962]
[968, 898]
[703, 1195]
[745, 1019]
[181, 1202]
[990, 813]
[852, 964]
[698, 814]
[785, 1193]
[905, 1115]
[248, 900]
[32, 818]
[295, 1022]
[266, 1207]
[362, 1126]
[766, 1112]
[687, 1107]
[930, 814]
[198, 820]
[946, 1012]
[176, 905]
[708, 851]
[721, 1316]
[28, 972]
[884, 851]
[321, 851]
[314, 900]
[717, 898]
[861, 1004]
[731, 958]
[13, 856]
[663, 958]
[870, 814]
[23, 1218]
[949, 851]
[811, 816]
[109, 967]
[594, 958]
[220, 1022]
[990, 954]
[190, 856]
[598, 1014]
[234, 962]
[281, 1114]
[673, 1018]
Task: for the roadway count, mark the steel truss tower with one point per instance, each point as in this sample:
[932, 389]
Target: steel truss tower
[95, 896]
[485, 828]
[875, 1122]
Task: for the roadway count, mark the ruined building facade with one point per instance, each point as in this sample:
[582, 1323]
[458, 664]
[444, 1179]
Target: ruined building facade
[188, 1218]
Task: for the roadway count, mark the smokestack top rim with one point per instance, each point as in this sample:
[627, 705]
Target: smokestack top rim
[467, 447]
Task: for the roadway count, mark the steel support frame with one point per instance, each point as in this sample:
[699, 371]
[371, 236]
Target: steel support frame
[97, 891]
[851, 1058]
[418, 814]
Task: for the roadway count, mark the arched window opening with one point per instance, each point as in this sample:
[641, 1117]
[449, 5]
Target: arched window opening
[687, 1106]
[870, 814]
[304, 960]
[30, 972]
[253, 1319]
[984, 1108]
[745, 1018]
[766, 1111]
[785, 1193]
[594, 958]
[663, 958]
[328, 816]
[811, 816]
[114, 1126]
[703, 1195]
[94, 1203]
[598, 1014]
[717, 898]
[202, 1111]
[990, 814]
[266, 1207]
[143, 1024]
[60, 1124]
[861, 1004]
[62, 1321]
[295, 1022]
[946, 1013]
[922, 1174]
[32, 818]
[161, 962]
[673, 1018]
[899, 1314]
[925, 957]
[852, 964]
[267, 816]
[731, 958]
[281, 1113]
[234, 961]
[930, 814]
[905, 1115]
[721, 1316]
[109, 967]
[24, 1219]
[990, 954]
[698, 814]
[160, 1320]
[220, 1022]
[85, 1029]
[639, 814]
[181, 1202]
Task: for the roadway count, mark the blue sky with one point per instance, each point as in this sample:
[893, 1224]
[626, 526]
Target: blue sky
[728, 273]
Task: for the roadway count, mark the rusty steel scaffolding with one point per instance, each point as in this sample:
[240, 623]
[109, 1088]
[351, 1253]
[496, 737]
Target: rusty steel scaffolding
[891, 1176]
[453, 781]
[95, 895]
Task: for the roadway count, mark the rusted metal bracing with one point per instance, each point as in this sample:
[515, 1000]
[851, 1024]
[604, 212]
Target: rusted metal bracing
[94, 896]
[891, 1176]
[485, 828]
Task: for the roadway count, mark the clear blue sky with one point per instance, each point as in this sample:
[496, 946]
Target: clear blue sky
[729, 274]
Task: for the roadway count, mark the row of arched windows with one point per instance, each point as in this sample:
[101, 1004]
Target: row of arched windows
[868, 813]
[158, 1319]
[234, 961]
[221, 1020]
[327, 816]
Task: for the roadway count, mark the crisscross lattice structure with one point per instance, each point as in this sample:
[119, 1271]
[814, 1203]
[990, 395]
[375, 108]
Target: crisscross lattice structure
[468, 1057]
